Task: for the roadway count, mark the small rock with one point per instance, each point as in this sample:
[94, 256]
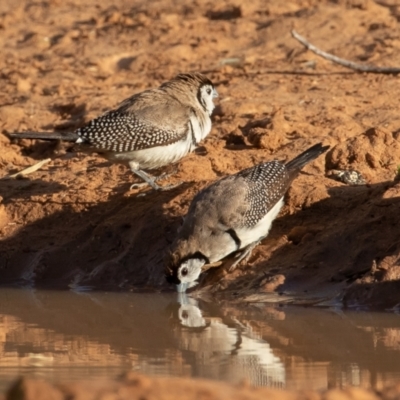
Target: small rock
[350, 177]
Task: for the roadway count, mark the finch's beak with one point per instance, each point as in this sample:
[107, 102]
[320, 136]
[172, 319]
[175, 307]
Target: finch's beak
[215, 93]
[182, 287]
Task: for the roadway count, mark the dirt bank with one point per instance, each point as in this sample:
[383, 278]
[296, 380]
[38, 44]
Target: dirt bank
[133, 386]
[74, 223]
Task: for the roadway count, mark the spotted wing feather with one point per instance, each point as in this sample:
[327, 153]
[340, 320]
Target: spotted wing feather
[266, 184]
[240, 200]
[124, 129]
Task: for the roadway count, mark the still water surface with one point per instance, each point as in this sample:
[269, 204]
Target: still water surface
[70, 336]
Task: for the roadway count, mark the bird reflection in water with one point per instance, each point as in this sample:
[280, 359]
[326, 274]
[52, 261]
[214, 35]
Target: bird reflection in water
[223, 347]
[189, 313]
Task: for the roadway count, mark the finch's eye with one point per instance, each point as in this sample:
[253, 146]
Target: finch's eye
[184, 271]
[208, 91]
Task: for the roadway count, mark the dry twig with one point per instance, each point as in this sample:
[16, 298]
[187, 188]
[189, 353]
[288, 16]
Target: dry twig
[342, 61]
[30, 169]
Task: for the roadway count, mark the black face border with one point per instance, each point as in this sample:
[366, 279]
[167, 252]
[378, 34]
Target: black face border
[198, 254]
[199, 98]
[235, 238]
[173, 277]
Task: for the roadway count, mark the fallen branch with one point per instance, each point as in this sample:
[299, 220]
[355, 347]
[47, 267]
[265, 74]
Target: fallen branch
[342, 61]
[30, 169]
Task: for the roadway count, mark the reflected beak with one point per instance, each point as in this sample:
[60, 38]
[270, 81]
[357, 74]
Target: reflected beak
[215, 93]
[182, 287]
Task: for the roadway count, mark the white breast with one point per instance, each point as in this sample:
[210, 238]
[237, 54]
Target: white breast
[201, 130]
[157, 157]
[261, 229]
[226, 245]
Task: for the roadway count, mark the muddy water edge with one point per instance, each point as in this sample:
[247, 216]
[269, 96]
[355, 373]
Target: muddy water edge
[95, 336]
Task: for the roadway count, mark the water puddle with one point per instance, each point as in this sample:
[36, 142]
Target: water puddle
[70, 336]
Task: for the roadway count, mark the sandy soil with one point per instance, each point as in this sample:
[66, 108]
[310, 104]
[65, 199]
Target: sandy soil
[133, 386]
[75, 223]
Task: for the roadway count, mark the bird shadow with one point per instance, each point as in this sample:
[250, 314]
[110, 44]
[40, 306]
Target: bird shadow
[72, 116]
[40, 149]
[25, 188]
[116, 244]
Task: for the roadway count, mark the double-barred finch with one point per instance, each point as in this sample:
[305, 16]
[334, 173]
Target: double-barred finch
[233, 214]
[151, 129]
